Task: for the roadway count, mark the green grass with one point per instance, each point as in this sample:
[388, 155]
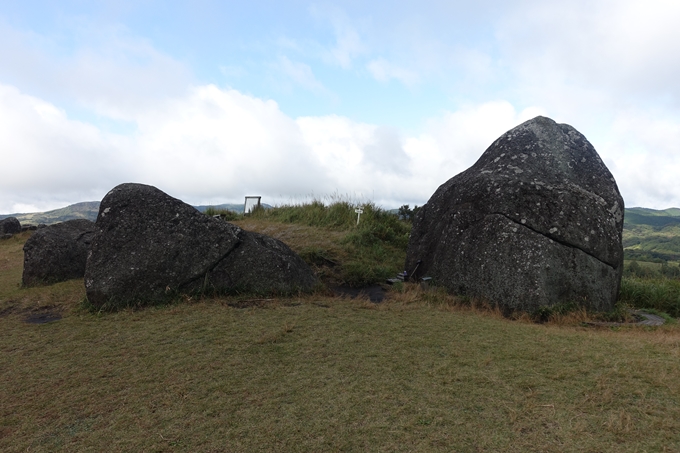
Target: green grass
[660, 294]
[343, 253]
[652, 243]
[423, 371]
[333, 375]
[226, 214]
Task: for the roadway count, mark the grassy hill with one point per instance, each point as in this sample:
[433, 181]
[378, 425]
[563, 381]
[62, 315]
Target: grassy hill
[84, 210]
[652, 235]
[89, 210]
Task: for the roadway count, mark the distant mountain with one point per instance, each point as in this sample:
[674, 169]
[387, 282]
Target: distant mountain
[89, 210]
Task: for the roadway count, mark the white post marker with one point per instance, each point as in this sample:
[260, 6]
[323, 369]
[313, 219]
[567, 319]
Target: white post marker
[359, 211]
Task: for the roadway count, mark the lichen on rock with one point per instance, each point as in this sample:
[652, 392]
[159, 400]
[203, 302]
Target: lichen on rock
[536, 221]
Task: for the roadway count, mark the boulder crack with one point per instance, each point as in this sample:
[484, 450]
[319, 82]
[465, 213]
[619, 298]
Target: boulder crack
[552, 238]
[204, 274]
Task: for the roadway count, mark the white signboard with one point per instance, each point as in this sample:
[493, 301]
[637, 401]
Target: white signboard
[359, 211]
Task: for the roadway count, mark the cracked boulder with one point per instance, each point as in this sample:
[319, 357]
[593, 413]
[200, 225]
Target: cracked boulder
[150, 247]
[57, 252]
[535, 222]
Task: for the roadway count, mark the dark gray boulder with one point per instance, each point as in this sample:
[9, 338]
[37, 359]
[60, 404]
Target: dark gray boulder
[57, 253]
[10, 225]
[149, 247]
[535, 222]
[261, 264]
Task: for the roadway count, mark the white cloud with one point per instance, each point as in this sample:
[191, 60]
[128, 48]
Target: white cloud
[348, 43]
[641, 151]
[214, 144]
[47, 157]
[110, 71]
[383, 71]
[347, 47]
[623, 49]
[454, 141]
[233, 71]
[301, 74]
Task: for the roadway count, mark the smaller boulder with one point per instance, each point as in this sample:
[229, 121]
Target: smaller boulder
[10, 225]
[149, 247]
[260, 265]
[57, 252]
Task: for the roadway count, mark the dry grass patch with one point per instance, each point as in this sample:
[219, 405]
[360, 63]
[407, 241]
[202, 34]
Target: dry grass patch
[327, 374]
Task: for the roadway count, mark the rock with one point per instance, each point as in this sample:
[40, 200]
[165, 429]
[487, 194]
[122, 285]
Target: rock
[6, 236]
[149, 247]
[10, 225]
[57, 253]
[261, 264]
[535, 222]
[28, 227]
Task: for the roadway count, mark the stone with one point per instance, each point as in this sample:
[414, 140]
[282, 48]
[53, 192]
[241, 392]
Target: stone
[261, 264]
[10, 225]
[150, 247]
[535, 222]
[57, 252]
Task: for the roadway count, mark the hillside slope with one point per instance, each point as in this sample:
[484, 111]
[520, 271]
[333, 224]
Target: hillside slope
[652, 235]
[89, 210]
[84, 210]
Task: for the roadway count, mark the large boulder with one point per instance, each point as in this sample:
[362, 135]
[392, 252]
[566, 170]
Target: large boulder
[535, 222]
[57, 252]
[10, 225]
[149, 247]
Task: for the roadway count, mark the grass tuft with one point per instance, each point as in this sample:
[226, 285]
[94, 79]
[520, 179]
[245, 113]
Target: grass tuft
[225, 214]
[657, 293]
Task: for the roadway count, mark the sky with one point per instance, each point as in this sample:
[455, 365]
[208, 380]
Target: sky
[378, 101]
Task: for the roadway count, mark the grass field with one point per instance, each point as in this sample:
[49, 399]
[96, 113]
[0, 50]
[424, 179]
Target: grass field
[421, 371]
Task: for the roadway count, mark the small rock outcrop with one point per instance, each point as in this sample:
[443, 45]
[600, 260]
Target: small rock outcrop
[535, 222]
[10, 225]
[150, 247]
[57, 252]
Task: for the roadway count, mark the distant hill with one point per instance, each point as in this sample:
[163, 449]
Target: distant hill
[89, 210]
[85, 210]
[651, 235]
[652, 217]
